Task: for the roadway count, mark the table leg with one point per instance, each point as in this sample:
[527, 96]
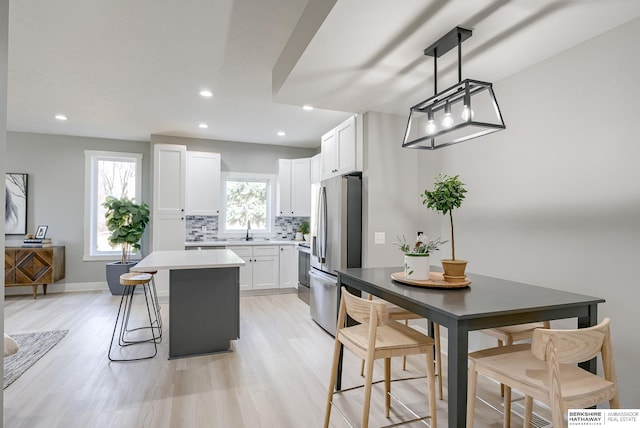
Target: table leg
[589, 321]
[457, 369]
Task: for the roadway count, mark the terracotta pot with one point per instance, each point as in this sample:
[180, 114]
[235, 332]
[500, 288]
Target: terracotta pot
[453, 269]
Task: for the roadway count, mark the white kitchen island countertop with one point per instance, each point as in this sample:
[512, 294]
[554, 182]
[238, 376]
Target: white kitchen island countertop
[185, 259]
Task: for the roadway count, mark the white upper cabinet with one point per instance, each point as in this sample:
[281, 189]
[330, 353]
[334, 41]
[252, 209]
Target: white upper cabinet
[203, 183]
[316, 168]
[169, 178]
[341, 149]
[294, 187]
[169, 188]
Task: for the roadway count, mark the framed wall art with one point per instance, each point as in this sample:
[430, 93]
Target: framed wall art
[15, 217]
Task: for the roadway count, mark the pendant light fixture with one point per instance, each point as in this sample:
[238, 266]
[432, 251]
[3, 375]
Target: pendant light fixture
[466, 110]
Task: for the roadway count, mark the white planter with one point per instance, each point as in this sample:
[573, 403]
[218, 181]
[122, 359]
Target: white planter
[416, 267]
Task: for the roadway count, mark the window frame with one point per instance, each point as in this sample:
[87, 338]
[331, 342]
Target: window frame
[91, 159]
[270, 180]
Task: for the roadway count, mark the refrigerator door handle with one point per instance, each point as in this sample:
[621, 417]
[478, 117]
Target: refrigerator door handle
[320, 243]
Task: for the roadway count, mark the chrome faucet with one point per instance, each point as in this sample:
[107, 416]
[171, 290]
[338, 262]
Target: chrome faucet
[247, 238]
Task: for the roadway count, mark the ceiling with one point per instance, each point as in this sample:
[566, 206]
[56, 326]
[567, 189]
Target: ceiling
[127, 69]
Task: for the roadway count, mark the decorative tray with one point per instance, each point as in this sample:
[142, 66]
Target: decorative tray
[435, 281]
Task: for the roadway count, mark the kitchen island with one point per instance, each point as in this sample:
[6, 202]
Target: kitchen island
[204, 299]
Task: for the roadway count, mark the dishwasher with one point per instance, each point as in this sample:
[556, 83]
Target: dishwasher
[323, 299]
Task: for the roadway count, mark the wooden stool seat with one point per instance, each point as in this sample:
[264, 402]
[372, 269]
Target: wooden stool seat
[513, 333]
[396, 313]
[135, 278]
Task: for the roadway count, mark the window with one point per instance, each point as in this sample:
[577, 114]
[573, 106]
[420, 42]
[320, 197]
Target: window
[247, 199]
[107, 174]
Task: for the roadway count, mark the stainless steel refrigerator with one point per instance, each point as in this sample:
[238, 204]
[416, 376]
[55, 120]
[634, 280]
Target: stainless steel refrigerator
[336, 242]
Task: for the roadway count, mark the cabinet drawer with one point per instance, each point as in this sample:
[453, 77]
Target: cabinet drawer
[265, 250]
[242, 252]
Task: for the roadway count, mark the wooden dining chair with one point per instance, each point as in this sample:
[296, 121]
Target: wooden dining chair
[396, 313]
[374, 338]
[510, 334]
[547, 371]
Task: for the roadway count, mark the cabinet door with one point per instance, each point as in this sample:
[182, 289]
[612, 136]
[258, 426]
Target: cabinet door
[168, 232]
[329, 154]
[169, 179]
[284, 187]
[301, 187]
[346, 143]
[203, 183]
[265, 272]
[246, 271]
[288, 266]
[316, 168]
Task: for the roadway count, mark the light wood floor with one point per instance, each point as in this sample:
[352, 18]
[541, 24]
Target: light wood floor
[276, 376]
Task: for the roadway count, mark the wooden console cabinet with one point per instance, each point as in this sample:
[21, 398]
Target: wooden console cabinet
[33, 266]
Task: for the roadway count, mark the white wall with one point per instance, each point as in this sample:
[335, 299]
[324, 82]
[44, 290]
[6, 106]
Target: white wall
[555, 199]
[390, 189]
[55, 164]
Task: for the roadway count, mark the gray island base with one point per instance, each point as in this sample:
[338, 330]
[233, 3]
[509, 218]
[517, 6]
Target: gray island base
[204, 315]
[204, 299]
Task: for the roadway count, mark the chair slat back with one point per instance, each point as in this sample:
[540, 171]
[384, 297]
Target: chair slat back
[571, 346]
[361, 309]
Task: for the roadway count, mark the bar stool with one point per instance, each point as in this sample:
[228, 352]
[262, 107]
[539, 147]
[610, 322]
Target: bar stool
[129, 281]
[396, 313]
[154, 300]
[378, 337]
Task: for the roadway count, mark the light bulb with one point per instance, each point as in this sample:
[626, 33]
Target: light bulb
[431, 127]
[447, 121]
[467, 113]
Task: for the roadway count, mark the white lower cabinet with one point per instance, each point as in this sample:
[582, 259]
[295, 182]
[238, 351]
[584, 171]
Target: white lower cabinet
[288, 266]
[261, 270]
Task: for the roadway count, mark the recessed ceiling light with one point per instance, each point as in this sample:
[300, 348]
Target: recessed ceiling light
[203, 125]
[206, 93]
[60, 117]
[307, 107]
[281, 134]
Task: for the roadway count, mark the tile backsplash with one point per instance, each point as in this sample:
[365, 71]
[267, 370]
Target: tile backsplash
[205, 228]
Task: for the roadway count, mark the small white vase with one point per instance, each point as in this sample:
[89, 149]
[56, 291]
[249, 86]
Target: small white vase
[416, 267]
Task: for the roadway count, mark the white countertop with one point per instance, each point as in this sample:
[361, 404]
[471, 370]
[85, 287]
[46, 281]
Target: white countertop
[237, 243]
[184, 259]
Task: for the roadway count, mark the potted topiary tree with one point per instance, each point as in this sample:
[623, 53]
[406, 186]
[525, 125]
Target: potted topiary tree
[304, 229]
[126, 221]
[446, 196]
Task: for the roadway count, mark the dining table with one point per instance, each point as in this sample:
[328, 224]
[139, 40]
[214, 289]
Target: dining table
[487, 302]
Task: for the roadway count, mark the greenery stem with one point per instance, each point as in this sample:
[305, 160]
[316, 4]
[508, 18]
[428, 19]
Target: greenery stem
[453, 246]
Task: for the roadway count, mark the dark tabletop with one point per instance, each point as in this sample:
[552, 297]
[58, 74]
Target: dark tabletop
[485, 297]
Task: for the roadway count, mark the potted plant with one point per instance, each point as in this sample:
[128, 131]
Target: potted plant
[447, 195]
[416, 256]
[304, 229]
[126, 221]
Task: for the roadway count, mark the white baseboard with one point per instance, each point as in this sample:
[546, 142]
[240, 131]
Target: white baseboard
[58, 288]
